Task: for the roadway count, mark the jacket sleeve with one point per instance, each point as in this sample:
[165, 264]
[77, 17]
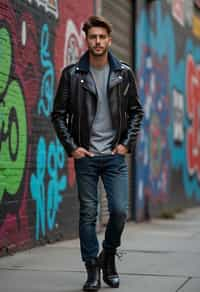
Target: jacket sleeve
[134, 114]
[60, 114]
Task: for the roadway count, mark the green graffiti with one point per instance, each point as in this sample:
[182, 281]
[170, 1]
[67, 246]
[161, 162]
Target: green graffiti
[5, 58]
[13, 129]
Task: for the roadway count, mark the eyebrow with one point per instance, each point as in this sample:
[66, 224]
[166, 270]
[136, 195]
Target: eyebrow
[96, 34]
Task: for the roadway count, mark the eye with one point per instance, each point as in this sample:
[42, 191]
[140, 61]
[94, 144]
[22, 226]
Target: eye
[92, 37]
[103, 37]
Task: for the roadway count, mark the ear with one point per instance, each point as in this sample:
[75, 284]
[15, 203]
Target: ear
[110, 41]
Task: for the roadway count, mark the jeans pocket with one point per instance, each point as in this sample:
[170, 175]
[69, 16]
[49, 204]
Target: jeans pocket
[80, 158]
[120, 155]
[80, 162]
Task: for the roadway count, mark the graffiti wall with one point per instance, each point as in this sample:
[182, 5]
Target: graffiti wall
[37, 182]
[168, 60]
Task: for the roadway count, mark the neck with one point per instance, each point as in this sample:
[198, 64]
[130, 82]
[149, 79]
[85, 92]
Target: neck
[98, 61]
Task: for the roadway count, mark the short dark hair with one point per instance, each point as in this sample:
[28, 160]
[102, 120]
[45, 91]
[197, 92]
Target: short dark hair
[98, 21]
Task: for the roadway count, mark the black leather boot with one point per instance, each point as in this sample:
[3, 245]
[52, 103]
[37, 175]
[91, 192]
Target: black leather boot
[93, 282]
[107, 264]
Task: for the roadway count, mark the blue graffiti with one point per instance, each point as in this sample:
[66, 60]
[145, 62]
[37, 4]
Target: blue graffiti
[45, 104]
[46, 184]
[50, 160]
[38, 188]
[56, 160]
[153, 150]
[163, 43]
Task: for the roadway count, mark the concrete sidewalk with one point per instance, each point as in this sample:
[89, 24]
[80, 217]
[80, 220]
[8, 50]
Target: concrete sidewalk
[159, 256]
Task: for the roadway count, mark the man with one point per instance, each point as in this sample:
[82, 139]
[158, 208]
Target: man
[97, 117]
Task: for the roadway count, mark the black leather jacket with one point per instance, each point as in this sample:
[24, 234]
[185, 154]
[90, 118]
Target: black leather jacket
[76, 102]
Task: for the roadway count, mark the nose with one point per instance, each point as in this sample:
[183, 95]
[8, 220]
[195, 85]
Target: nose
[98, 39]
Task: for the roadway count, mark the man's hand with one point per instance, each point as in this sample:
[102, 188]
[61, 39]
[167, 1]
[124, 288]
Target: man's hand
[81, 152]
[120, 149]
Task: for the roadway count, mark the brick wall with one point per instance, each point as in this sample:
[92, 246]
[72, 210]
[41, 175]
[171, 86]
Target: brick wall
[38, 201]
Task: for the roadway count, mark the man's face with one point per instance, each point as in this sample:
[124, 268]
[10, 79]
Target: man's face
[98, 41]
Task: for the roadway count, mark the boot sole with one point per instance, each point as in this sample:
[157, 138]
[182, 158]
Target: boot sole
[91, 289]
[111, 285]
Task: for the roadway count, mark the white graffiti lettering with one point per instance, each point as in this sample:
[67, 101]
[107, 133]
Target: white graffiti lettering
[50, 6]
[178, 108]
[74, 43]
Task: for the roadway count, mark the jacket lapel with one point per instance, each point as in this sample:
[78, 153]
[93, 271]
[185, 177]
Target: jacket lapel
[88, 83]
[115, 78]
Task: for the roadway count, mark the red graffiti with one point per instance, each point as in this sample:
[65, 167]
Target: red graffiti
[193, 107]
[69, 45]
[69, 41]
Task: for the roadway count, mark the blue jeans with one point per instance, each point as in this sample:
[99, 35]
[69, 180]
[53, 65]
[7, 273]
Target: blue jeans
[114, 173]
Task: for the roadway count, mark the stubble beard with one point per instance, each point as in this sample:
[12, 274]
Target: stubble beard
[98, 54]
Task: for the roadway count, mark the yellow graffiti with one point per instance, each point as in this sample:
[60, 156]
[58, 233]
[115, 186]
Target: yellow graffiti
[196, 26]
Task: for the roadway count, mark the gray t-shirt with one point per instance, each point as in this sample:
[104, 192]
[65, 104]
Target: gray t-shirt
[102, 133]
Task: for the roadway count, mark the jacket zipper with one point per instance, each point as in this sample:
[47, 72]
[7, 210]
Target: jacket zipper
[120, 117]
[96, 96]
[79, 121]
[79, 131]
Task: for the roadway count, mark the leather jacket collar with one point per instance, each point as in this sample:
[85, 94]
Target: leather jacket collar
[115, 71]
[83, 64]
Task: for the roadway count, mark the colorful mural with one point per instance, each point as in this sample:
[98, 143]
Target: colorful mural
[37, 179]
[154, 94]
[168, 72]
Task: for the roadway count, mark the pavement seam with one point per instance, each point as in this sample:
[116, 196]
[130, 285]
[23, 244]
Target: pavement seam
[124, 274]
[184, 283]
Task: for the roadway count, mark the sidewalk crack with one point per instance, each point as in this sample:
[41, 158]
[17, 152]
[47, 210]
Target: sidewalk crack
[184, 283]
